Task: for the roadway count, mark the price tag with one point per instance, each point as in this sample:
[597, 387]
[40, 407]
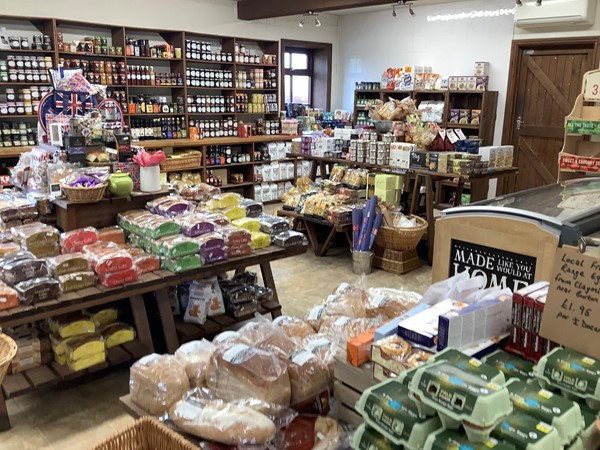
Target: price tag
[591, 86]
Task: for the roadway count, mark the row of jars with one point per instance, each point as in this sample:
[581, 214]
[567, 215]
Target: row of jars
[210, 104]
[18, 134]
[214, 128]
[209, 78]
[38, 42]
[24, 101]
[256, 79]
[203, 51]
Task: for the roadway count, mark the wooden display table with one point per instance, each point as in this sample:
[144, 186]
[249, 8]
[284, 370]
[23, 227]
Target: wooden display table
[156, 282]
[479, 190]
[70, 216]
[311, 224]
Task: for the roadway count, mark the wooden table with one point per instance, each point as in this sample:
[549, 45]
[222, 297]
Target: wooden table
[156, 282]
[70, 216]
[311, 223]
[479, 190]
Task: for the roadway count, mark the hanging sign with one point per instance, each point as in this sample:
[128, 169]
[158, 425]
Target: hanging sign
[572, 313]
[591, 86]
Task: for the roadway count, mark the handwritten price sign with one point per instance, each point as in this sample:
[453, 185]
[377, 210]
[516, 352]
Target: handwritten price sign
[572, 313]
[591, 83]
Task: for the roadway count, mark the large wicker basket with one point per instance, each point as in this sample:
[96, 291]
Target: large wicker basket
[183, 161]
[84, 194]
[8, 350]
[401, 238]
[146, 434]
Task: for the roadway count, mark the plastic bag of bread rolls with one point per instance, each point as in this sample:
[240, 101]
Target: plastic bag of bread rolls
[241, 371]
[390, 303]
[266, 336]
[194, 356]
[293, 327]
[309, 378]
[227, 338]
[220, 421]
[345, 328]
[315, 316]
[324, 348]
[156, 382]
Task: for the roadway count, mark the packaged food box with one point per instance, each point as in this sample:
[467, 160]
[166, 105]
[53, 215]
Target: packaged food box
[512, 366]
[527, 433]
[575, 374]
[366, 438]
[388, 409]
[390, 328]
[564, 415]
[470, 365]
[383, 374]
[460, 397]
[453, 440]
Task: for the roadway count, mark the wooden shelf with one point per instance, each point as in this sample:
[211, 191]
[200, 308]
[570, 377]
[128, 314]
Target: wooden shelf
[18, 116]
[149, 58]
[467, 92]
[12, 152]
[90, 55]
[199, 88]
[257, 90]
[225, 166]
[234, 140]
[237, 185]
[24, 83]
[181, 170]
[267, 66]
[214, 63]
[34, 52]
[466, 126]
[272, 202]
[430, 91]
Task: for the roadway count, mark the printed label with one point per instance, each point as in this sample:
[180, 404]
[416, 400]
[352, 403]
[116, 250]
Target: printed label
[147, 360]
[302, 357]
[317, 344]
[235, 355]
[316, 313]
[188, 411]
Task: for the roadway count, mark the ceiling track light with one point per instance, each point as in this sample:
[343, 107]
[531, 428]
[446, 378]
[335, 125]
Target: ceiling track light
[518, 2]
[318, 23]
[412, 11]
[394, 11]
[301, 24]
[538, 2]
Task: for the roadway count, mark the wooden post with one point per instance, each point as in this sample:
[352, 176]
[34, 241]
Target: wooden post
[166, 319]
[140, 317]
[4, 420]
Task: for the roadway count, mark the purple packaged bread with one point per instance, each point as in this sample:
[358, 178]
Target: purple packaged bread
[194, 225]
[174, 207]
[212, 248]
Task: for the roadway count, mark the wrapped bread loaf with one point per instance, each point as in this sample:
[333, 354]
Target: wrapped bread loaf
[390, 303]
[309, 377]
[222, 422]
[194, 356]
[243, 371]
[308, 432]
[314, 317]
[266, 336]
[293, 327]
[230, 338]
[156, 382]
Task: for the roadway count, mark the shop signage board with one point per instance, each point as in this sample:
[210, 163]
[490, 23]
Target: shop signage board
[591, 86]
[583, 127]
[572, 313]
[499, 267]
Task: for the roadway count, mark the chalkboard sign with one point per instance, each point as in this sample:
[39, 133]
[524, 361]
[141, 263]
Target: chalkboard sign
[499, 267]
[572, 313]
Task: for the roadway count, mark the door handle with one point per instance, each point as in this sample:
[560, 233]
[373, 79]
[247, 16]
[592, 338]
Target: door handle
[519, 122]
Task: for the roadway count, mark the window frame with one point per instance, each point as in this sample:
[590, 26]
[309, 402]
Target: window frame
[308, 72]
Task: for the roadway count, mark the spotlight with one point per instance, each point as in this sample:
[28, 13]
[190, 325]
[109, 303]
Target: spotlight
[538, 2]
[519, 3]
[412, 11]
[301, 24]
[317, 22]
[394, 11]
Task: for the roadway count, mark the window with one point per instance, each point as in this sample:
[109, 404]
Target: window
[298, 76]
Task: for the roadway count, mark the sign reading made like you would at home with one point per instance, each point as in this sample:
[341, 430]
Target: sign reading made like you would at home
[572, 312]
[499, 267]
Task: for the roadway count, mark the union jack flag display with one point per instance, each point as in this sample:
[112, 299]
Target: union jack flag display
[73, 103]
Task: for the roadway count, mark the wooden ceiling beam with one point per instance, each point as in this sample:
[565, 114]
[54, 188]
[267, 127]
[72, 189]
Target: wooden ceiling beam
[268, 9]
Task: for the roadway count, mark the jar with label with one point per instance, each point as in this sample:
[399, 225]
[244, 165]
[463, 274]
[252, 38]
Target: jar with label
[15, 43]
[3, 109]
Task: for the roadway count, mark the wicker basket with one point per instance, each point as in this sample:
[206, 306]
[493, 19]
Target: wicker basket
[84, 194]
[401, 238]
[8, 350]
[146, 434]
[184, 161]
[396, 267]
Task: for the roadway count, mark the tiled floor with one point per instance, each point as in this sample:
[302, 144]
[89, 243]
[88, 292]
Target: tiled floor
[80, 416]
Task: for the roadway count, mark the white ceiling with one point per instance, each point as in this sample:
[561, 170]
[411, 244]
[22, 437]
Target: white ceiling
[343, 12]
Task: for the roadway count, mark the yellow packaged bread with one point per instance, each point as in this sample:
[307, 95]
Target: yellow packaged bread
[247, 223]
[9, 247]
[87, 362]
[235, 212]
[71, 325]
[103, 316]
[81, 347]
[117, 333]
[226, 200]
[260, 240]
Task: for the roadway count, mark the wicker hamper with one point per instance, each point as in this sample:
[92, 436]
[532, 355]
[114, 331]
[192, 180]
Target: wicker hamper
[146, 434]
[401, 238]
[8, 350]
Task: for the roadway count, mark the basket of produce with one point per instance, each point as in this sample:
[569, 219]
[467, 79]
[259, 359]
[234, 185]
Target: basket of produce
[402, 236]
[85, 187]
[146, 434]
[182, 161]
[8, 350]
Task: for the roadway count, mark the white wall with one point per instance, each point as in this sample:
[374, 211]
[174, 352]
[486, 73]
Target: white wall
[370, 43]
[199, 16]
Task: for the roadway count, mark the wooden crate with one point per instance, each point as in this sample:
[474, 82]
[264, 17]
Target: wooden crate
[350, 383]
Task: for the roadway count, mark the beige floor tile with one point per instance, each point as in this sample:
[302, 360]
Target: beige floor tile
[78, 417]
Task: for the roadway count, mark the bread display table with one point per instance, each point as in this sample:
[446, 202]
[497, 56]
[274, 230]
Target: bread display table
[71, 216]
[311, 224]
[156, 282]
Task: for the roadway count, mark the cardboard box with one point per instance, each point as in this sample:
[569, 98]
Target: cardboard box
[390, 328]
[388, 195]
[508, 155]
[482, 83]
[386, 182]
[462, 83]
[382, 374]
[444, 158]
[490, 155]
[453, 83]
[482, 69]
[358, 349]
[475, 323]
[528, 308]
[454, 115]
[422, 328]
[400, 159]
[471, 83]
[418, 160]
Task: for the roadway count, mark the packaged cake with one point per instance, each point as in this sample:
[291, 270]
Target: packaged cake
[225, 200]
[9, 247]
[253, 208]
[117, 334]
[234, 213]
[9, 298]
[237, 252]
[182, 264]
[247, 223]
[289, 238]
[212, 248]
[114, 279]
[146, 262]
[273, 225]
[235, 237]
[71, 325]
[70, 263]
[178, 246]
[260, 240]
[15, 269]
[76, 281]
[113, 234]
[38, 290]
[174, 207]
[107, 258]
[195, 224]
[74, 241]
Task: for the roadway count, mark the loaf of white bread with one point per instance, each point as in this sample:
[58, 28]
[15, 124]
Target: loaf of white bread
[194, 356]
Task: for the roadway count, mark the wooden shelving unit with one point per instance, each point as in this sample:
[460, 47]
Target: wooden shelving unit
[486, 101]
[580, 155]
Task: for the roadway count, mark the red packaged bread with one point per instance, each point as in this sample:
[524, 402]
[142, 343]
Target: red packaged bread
[236, 252]
[9, 298]
[114, 234]
[74, 241]
[118, 278]
[107, 258]
[146, 262]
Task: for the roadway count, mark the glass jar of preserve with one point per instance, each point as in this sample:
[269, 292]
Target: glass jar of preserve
[15, 43]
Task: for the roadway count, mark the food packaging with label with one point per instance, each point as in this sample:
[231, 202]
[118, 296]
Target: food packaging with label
[194, 356]
[9, 298]
[527, 433]
[512, 366]
[38, 290]
[247, 223]
[235, 237]
[226, 200]
[273, 225]
[452, 440]
[212, 248]
[289, 238]
[470, 365]
[117, 334]
[108, 258]
[260, 240]
[22, 266]
[178, 246]
[182, 264]
[366, 438]
[111, 234]
[74, 241]
[76, 281]
[120, 278]
[71, 325]
[65, 264]
[195, 224]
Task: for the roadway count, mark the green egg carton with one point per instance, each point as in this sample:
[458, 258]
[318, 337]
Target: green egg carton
[527, 433]
[388, 409]
[408, 375]
[366, 438]
[471, 365]
[460, 397]
[511, 365]
[564, 415]
[589, 419]
[576, 375]
[455, 440]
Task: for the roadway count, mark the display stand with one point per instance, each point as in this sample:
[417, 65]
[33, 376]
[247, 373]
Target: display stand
[580, 155]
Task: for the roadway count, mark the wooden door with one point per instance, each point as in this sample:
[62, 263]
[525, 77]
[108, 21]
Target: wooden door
[544, 81]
